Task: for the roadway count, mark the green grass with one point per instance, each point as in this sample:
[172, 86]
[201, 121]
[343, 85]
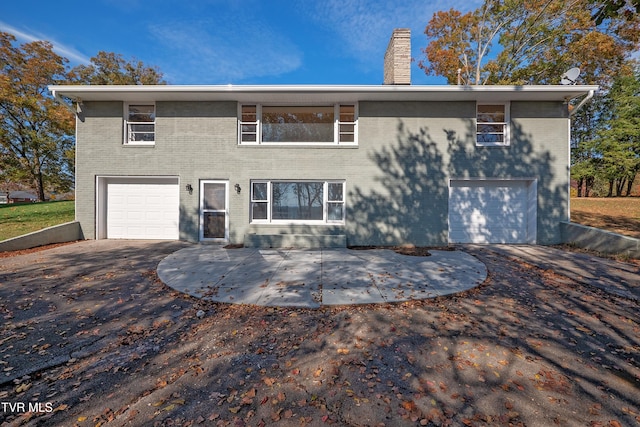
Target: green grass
[16, 220]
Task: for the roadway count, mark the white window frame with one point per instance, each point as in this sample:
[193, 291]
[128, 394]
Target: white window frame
[505, 125]
[127, 123]
[325, 203]
[336, 125]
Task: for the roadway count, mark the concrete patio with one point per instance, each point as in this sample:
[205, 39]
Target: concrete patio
[315, 277]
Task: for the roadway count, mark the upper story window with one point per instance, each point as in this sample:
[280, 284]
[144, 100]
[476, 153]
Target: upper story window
[298, 124]
[140, 124]
[492, 124]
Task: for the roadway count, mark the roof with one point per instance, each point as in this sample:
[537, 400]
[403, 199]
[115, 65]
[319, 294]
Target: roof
[22, 195]
[320, 93]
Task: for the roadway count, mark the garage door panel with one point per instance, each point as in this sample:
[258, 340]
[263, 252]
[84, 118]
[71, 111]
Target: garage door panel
[143, 209]
[488, 212]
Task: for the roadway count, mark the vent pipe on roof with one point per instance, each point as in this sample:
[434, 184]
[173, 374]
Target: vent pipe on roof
[397, 59]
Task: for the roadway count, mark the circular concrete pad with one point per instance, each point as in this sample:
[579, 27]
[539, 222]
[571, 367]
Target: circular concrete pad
[315, 277]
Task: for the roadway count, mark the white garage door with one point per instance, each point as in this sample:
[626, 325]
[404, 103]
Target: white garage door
[492, 212]
[143, 209]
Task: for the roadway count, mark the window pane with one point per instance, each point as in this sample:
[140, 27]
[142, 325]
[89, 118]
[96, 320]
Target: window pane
[141, 132]
[249, 137]
[214, 225]
[249, 113]
[347, 113]
[335, 211]
[335, 192]
[214, 196]
[141, 128]
[484, 128]
[258, 210]
[259, 191]
[297, 200]
[297, 124]
[491, 113]
[491, 138]
[347, 127]
[142, 113]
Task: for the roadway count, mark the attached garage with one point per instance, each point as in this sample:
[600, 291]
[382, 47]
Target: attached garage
[138, 208]
[492, 211]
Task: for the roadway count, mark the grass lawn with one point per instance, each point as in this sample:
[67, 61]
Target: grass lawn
[16, 220]
[618, 214]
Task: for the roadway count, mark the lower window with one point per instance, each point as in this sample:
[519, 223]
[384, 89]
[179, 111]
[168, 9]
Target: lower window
[310, 201]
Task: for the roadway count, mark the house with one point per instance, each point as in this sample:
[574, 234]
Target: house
[324, 165]
[21, 197]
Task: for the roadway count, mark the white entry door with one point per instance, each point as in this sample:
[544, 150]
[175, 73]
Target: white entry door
[214, 210]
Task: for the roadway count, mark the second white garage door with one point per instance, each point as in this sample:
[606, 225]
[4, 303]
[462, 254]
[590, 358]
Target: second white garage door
[492, 211]
[143, 209]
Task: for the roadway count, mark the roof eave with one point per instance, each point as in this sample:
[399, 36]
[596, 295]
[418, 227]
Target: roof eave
[339, 93]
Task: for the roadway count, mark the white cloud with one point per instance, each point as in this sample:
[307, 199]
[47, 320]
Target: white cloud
[240, 48]
[27, 36]
[364, 26]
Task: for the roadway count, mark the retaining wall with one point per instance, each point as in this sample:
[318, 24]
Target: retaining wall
[599, 240]
[68, 232]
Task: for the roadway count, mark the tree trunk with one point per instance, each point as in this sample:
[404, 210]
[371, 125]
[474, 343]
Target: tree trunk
[630, 185]
[580, 181]
[40, 187]
[588, 185]
[610, 194]
[620, 182]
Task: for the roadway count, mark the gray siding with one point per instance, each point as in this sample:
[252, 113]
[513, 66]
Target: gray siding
[396, 179]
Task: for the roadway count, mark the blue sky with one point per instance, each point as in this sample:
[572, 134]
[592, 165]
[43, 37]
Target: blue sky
[233, 42]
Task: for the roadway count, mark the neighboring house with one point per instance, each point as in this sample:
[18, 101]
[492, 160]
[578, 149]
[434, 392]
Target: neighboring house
[21, 197]
[358, 165]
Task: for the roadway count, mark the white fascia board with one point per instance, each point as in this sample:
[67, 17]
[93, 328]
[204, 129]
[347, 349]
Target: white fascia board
[319, 93]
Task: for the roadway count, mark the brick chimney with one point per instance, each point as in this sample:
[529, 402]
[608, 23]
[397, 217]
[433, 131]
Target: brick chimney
[397, 59]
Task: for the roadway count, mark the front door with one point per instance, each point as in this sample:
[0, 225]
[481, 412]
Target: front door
[214, 210]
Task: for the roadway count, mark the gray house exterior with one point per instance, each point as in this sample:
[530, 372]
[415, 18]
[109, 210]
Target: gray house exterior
[324, 165]
[415, 172]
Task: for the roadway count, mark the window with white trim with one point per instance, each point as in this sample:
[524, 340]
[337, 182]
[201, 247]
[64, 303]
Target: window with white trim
[140, 124]
[492, 124]
[300, 201]
[297, 124]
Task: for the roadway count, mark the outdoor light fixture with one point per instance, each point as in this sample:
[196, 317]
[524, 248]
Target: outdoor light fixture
[238, 189]
[189, 188]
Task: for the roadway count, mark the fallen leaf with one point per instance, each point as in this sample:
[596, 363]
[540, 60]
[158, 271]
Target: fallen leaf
[269, 381]
[409, 405]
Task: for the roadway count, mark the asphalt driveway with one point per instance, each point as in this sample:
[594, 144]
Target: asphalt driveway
[91, 336]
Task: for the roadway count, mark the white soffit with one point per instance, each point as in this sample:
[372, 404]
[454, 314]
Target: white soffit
[322, 93]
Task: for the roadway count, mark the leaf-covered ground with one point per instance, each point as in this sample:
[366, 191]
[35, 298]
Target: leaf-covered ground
[88, 330]
[617, 214]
